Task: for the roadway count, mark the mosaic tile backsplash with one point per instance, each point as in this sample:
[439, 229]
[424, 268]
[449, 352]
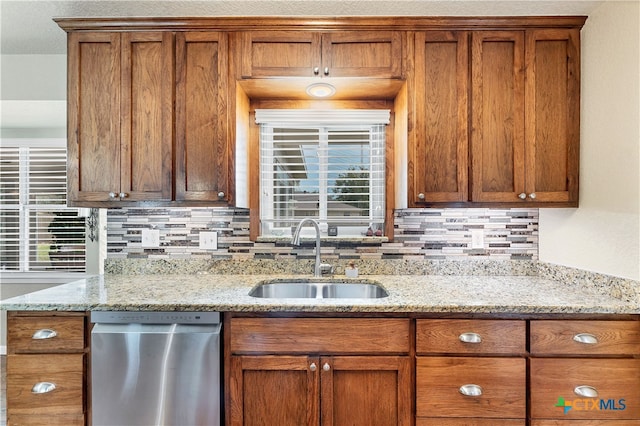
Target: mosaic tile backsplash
[420, 234]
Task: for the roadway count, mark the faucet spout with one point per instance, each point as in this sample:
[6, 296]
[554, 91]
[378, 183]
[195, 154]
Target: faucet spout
[295, 240]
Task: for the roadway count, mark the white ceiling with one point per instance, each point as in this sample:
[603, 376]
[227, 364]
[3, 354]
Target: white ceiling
[27, 26]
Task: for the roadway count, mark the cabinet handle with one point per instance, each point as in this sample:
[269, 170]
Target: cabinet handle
[421, 196]
[326, 70]
[221, 194]
[522, 196]
[532, 195]
[326, 367]
[586, 391]
[471, 390]
[470, 338]
[586, 338]
[43, 387]
[313, 367]
[123, 195]
[316, 70]
[112, 195]
[45, 333]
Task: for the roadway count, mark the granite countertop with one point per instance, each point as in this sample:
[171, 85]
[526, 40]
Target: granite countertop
[407, 293]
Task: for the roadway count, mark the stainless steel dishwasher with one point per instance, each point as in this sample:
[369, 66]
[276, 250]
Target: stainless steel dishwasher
[156, 368]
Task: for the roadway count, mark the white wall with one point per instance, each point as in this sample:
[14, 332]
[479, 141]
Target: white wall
[603, 234]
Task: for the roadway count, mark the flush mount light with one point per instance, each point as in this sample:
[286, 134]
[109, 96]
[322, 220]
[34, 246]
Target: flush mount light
[320, 90]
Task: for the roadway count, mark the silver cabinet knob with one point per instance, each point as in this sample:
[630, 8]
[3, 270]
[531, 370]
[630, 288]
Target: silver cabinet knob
[326, 70]
[221, 194]
[532, 195]
[421, 196]
[112, 195]
[313, 366]
[326, 367]
[470, 338]
[45, 333]
[123, 195]
[585, 338]
[316, 70]
[43, 387]
[586, 391]
[470, 390]
[522, 196]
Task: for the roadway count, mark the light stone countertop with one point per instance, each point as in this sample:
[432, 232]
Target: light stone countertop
[407, 293]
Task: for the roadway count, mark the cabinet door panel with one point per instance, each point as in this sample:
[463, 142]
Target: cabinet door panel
[146, 119]
[280, 54]
[366, 391]
[362, 54]
[274, 390]
[497, 137]
[616, 381]
[203, 158]
[93, 140]
[439, 151]
[553, 125]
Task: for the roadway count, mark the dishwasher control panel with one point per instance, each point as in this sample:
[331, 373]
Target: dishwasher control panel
[137, 317]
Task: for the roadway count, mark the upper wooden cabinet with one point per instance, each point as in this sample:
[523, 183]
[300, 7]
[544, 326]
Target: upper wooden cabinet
[120, 115]
[439, 149]
[525, 116]
[509, 115]
[375, 54]
[203, 155]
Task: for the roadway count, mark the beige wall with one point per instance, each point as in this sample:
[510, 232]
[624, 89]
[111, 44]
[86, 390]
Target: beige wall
[603, 234]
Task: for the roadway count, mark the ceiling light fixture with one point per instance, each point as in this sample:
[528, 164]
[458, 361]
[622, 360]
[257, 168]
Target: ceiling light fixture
[320, 90]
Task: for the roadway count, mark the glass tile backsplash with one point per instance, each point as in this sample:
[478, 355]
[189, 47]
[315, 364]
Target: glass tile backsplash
[424, 234]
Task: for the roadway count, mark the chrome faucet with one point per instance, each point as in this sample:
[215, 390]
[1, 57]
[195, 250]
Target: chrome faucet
[295, 240]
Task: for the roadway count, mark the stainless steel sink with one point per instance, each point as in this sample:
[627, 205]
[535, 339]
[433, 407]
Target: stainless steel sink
[318, 290]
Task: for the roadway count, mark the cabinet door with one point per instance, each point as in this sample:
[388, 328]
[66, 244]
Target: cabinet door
[274, 390]
[281, 54]
[203, 157]
[146, 116]
[366, 391]
[438, 159]
[93, 116]
[497, 99]
[552, 115]
[362, 54]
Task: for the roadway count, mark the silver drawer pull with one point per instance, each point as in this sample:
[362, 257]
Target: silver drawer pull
[586, 338]
[45, 333]
[470, 338]
[43, 387]
[313, 367]
[470, 390]
[586, 391]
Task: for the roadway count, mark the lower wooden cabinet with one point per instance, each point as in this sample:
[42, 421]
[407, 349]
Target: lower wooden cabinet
[319, 371]
[46, 368]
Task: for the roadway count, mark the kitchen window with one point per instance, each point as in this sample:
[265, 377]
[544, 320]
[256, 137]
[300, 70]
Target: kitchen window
[327, 165]
[37, 231]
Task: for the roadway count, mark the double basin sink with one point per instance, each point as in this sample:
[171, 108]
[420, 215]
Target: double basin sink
[318, 289]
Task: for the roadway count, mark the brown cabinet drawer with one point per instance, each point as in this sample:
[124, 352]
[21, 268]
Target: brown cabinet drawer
[503, 383]
[65, 371]
[39, 334]
[45, 420]
[439, 421]
[551, 422]
[470, 336]
[320, 335]
[585, 337]
[616, 381]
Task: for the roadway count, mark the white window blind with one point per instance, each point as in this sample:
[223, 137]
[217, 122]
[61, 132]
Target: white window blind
[37, 231]
[328, 165]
